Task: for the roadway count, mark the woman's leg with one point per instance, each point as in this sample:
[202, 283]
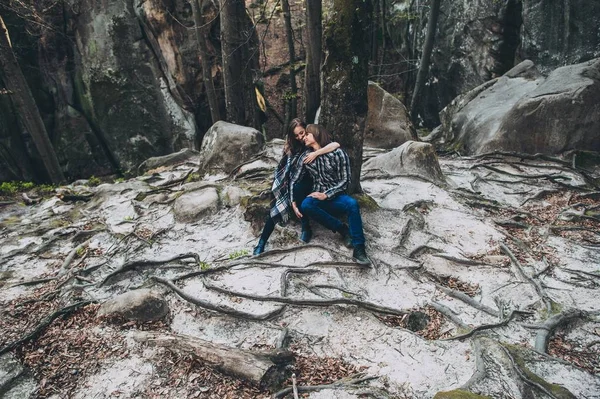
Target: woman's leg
[264, 236]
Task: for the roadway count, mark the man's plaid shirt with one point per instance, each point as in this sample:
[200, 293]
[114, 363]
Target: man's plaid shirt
[330, 173]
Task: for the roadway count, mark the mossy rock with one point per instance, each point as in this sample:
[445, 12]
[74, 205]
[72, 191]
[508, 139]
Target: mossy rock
[458, 394]
[366, 202]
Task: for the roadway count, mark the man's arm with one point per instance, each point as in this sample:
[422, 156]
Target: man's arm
[342, 168]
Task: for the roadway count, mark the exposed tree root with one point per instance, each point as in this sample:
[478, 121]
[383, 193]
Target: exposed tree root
[140, 263]
[536, 284]
[311, 302]
[71, 256]
[462, 261]
[488, 326]
[550, 325]
[218, 308]
[43, 324]
[341, 384]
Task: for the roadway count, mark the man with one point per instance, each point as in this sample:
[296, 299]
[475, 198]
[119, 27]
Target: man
[331, 176]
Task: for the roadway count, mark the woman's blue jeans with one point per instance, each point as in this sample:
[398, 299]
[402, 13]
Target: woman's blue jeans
[322, 211]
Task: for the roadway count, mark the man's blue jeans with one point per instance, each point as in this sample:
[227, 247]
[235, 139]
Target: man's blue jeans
[321, 212]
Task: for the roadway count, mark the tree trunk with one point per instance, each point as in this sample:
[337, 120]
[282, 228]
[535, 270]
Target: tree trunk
[264, 369]
[201, 37]
[314, 50]
[27, 111]
[434, 13]
[291, 100]
[239, 61]
[345, 77]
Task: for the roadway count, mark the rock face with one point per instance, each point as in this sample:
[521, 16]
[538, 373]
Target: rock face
[115, 83]
[16, 382]
[388, 124]
[524, 113]
[226, 145]
[479, 40]
[185, 155]
[410, 158]
[139, 305]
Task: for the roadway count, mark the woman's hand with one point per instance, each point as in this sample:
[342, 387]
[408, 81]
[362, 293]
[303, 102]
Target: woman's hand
[296, 210]
[311, 157]
[318, 195]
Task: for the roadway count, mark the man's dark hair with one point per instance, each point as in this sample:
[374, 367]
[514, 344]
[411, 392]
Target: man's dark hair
[320, 134]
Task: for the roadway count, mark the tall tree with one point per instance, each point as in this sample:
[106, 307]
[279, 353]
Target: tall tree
[202, 30]
[434, 13]
[314, 51]
[291, 101]
[27, 111]
[345, 76]
[238, 47]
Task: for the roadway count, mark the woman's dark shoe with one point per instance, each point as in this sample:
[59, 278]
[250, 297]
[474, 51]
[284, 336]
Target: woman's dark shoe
[306, 235]
[259, 248]
[360, 255]
[345, 233]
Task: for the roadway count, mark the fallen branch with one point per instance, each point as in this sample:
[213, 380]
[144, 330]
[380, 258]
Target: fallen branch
[462, 261]
[341, 384]
[33, 282]
[449, 314]
[547, 329]
[264, 369]
[310, 302]
[468, 300]
[44, 323]
[218, 308]
[136, 263]
[71, 256]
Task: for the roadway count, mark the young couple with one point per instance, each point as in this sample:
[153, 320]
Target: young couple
[311, 179]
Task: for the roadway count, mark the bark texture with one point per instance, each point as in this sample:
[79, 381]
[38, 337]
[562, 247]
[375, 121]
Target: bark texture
[314, 50]
[345, 77]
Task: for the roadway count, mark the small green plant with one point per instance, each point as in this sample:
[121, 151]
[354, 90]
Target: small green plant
[128, 218]
[80, 251]
[12, 187]
[119, 180]
[93, 181]
[346, 295]
[238, 254]
[193, 177]
[204, 266]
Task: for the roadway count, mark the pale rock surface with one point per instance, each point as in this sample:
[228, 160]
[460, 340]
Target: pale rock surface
[411, 157]
[139, 305]
[192, 205]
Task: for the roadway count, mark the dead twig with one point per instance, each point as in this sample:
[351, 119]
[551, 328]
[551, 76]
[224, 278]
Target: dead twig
[342, 384]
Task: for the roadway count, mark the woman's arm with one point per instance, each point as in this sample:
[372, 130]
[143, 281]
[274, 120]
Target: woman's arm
[328, 148]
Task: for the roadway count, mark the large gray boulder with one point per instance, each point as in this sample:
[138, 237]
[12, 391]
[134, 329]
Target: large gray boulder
[388, 123]
[140, 305]
[411, 158]
[194, 204]
[184, 156]
[524, 113]
[226, 146]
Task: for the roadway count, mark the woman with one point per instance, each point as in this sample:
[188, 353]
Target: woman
[293, 153]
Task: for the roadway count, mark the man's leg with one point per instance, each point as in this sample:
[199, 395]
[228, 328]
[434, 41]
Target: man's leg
[320, 211]
[348, 205]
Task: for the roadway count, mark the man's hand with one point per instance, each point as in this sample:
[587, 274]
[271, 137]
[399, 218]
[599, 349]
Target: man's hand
[296, 210]
[310, 157]
[318, 195]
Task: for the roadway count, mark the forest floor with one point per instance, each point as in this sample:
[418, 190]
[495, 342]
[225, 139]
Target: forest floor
[464, 277]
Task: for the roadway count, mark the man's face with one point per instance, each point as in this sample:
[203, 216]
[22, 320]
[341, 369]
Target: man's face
[299, 133]
[309, 139]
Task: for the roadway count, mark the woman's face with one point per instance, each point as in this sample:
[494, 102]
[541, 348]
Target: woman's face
[299, 133]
